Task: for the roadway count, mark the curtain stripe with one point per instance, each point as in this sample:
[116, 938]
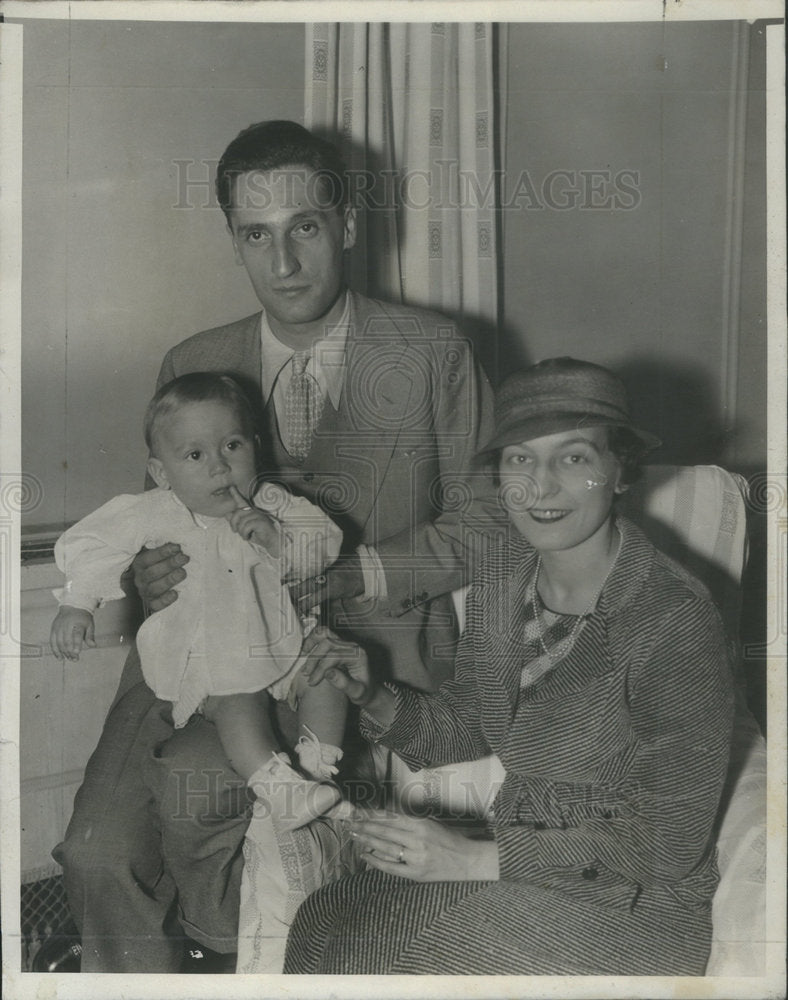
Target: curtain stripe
[413, 106]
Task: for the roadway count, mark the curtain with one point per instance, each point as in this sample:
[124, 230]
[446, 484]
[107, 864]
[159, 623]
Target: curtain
[412, 106]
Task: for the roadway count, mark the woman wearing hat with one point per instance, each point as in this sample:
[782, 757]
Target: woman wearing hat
[595, 669]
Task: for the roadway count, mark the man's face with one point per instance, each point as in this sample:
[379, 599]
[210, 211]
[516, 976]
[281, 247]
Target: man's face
[291, 243]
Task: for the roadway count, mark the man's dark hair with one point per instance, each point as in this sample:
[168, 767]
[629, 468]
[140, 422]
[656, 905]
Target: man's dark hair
[273, 145]
[197, 387]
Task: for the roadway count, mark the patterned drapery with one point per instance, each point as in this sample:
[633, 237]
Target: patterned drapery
[413, 105]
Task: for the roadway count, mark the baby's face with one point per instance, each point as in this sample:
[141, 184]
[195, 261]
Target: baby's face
[202, 450]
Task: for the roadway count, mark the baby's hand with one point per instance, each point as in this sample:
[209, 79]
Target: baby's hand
[71, 629]
[254, 525]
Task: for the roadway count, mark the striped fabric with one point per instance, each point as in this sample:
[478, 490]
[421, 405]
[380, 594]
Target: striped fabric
[485, 928]
[696, 514]
[614, 761]
[413, 105]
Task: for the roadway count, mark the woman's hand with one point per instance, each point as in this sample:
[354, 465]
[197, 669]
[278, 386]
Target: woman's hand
[156, 572]
[343, 664]
[254, 525]
[423, 850]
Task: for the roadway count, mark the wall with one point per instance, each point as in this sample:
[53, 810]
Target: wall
[115, 270]
[113, 274]
[62, 706]
[662, 277]
[668, 284]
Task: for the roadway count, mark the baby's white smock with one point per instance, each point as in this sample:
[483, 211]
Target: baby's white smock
[233, 628]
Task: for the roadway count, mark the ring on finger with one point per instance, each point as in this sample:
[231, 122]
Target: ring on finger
[401, 856]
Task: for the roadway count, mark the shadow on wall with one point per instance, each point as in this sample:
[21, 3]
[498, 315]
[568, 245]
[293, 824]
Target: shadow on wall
[372, 267]
[680, 406]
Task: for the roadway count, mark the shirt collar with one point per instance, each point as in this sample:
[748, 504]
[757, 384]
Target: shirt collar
[327, 363]
[201, 520]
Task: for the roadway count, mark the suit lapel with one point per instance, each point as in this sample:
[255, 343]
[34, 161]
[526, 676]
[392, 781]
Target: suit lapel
[377, 395]
[589, 657]
[501, 649]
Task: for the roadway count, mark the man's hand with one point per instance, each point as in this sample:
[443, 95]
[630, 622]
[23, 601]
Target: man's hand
[156, 572]
[342, 664]
[71, 630]
[343, 578]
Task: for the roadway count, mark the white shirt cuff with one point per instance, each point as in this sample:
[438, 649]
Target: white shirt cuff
[84, 602]
[374, 574]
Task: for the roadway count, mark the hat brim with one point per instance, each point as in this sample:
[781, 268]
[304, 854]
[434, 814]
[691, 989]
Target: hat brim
[530, 428]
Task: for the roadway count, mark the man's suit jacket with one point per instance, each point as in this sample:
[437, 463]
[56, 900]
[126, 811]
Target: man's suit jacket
[393, 466]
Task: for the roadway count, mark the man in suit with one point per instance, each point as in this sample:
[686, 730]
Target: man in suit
[374, 412]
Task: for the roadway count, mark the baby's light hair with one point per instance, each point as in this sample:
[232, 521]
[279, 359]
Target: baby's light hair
[197, 387]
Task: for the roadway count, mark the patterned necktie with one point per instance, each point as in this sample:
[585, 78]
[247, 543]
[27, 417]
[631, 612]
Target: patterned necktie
[303, 406]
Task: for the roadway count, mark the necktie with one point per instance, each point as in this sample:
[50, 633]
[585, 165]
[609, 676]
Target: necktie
[303, 406]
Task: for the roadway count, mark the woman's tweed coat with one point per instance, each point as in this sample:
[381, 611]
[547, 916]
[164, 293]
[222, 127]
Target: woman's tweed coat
[615, 762]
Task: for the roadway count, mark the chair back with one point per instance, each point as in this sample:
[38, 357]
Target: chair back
[696, 514]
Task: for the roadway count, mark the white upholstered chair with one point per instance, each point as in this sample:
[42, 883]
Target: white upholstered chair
[696, 514]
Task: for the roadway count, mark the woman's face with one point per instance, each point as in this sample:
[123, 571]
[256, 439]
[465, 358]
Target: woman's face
[559, 489]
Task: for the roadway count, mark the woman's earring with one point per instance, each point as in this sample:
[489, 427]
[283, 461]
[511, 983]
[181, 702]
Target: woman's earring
[591, 483]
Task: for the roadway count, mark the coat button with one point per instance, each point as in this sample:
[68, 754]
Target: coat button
[308, 477]
[589, 874]
[423, 595]
[407, 603]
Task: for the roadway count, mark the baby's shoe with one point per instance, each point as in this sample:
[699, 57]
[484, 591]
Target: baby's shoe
[293, 800]
[320, 760]
[316, 758]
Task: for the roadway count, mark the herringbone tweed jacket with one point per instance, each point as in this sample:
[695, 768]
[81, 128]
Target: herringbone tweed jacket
[615, 763]
[396, 455]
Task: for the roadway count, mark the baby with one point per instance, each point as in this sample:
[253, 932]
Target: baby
[232, 639]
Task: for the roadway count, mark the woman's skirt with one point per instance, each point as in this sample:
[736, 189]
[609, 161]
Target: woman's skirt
[374, 923]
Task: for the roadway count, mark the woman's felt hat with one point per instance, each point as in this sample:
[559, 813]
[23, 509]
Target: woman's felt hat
[560, 394]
